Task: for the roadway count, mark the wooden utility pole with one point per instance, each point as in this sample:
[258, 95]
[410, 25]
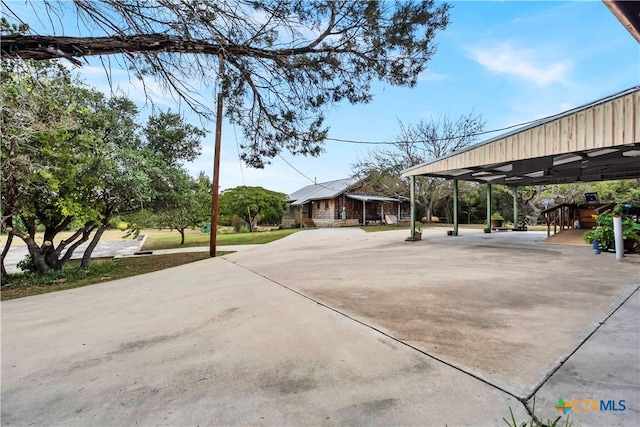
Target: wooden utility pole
[216, 169]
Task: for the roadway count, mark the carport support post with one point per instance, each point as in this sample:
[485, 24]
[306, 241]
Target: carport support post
[515, 205]
[489, 207]
[455, 207]
[412, 193]
[364, 213]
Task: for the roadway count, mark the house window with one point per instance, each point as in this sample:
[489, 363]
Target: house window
[318, 204]
[326, 205]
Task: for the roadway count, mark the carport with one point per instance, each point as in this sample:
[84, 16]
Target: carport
[599, 141]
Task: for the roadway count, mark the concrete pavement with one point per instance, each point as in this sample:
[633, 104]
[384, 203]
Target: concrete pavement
[212, 343]
[334, 327]
[502, 306]
[605, 368]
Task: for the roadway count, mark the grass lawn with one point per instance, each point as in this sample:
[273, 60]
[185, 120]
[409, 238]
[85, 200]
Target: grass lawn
[166, 239]
[72, 276]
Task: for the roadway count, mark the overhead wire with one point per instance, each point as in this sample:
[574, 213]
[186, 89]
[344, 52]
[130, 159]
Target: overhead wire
[353, 141]
[312, 180]
[239, 157]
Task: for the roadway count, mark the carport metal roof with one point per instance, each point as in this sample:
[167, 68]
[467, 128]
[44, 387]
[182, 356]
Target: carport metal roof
[598, 141]
[628, 13]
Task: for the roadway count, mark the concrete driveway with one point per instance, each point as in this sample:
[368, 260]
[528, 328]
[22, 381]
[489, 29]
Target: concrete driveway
[333, 327]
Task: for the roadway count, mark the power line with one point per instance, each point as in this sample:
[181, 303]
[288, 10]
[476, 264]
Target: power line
[311, 180]
[239, 157]
[352, 141]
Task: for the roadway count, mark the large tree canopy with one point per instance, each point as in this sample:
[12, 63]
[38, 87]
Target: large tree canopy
[70, 156]
[418, 143]
[286, 61]
[249, 202]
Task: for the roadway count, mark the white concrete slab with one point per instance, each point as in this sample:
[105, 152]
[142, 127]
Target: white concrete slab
[211, 343]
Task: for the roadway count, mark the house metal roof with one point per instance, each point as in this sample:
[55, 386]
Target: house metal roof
[320, 191]
[371, 198]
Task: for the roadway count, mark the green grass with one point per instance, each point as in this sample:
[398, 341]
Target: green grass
[201, 239]
[72, 276]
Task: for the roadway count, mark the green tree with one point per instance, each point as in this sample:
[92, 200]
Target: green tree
[168, 135]
[415, 144]
[118, 171]
[46, 147]
[186, 204]
[286, 62]
[249, 202]
[69, 155]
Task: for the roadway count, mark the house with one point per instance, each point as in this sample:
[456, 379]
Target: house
[340, 203]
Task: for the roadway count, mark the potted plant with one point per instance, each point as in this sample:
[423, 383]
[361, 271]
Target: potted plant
[630, 233]
[496, 220]
[603, 231]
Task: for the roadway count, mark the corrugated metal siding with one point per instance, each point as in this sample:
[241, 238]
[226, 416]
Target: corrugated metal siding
[612, 123]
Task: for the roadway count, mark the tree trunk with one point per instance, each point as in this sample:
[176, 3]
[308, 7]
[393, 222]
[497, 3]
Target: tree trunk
[54, 258]
[86, 257]
[181, 236]
[37, 253]
[40, 263]
[5, 276]
[448, 213]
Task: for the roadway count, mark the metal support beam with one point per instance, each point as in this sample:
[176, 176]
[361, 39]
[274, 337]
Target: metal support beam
[412, 193]
[515, 205]
[455, 207]
[364, 213]
[489, 207]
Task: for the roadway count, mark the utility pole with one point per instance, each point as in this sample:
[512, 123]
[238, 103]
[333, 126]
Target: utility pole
[216, 168]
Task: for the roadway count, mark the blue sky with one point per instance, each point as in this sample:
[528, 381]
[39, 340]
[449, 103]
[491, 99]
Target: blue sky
[510, 61]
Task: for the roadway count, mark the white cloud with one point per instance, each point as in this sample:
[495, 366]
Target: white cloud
[432, 76]
[526, 64]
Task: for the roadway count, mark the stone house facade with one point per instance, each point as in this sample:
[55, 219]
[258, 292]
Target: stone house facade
[341, 203]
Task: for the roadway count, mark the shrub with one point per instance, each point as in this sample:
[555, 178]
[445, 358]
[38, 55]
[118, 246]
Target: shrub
[27, 265]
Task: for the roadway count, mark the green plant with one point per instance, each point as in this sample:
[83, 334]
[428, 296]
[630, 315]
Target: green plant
[497, 216]
[487, 229]
[533, 421]
[418, 227]
[603, 231]
[27, 265]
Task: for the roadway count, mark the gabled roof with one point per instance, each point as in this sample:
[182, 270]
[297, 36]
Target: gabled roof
[372, 198]
[320, 191]
[598, 141]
